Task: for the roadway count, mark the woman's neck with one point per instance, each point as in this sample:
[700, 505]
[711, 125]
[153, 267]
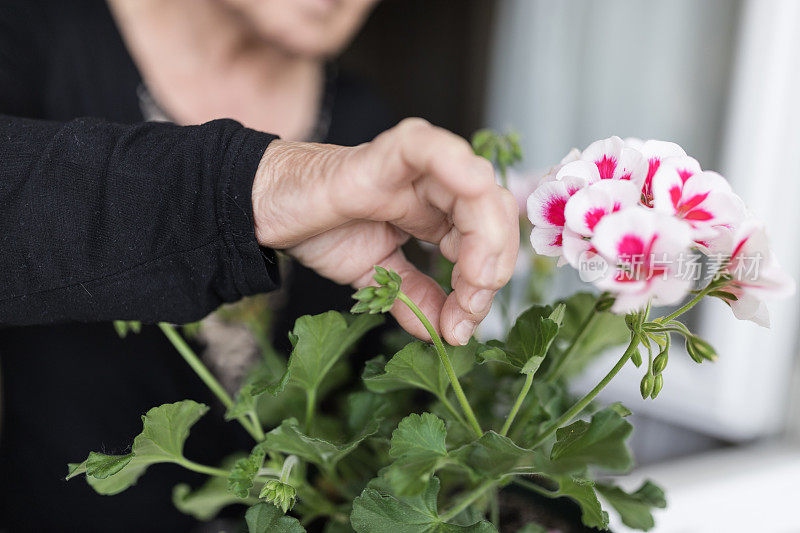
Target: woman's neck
[201, 62]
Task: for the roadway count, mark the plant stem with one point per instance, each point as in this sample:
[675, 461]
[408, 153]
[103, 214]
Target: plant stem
[311, 400]
[494, 510]
[445, 359]
[468, 500]
[535, 488]
[526, 387]
[256, 423]
[204, 374]
[449, 406]
[286, 471]
[688, 305]
[581, 404]
[203, 469]
[555, 370]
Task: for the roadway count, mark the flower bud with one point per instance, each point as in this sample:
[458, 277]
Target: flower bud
[660, 362]
[378, 299]
[700, 350]
[636, 357]
[658, 384]
[605, 302]
[282, 495]
[646, 386]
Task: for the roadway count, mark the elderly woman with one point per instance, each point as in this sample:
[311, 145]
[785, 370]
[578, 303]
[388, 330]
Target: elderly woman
[137, 183]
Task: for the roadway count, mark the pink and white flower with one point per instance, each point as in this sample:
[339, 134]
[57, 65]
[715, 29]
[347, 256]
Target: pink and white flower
[585, 210]
[703, 199]
[654, 153]
[615, 160]
[638, 209]
[643, 249]
[755, 274]
[546, 211]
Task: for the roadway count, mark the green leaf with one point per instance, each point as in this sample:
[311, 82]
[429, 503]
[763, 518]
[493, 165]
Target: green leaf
[491, 455]
[583, 493]
[263, 377]
[418, 445]
[165, 429]
[101, 466]
[548, 401]
[529, 339]
[287, 438]
[377, 511]
[423, 433]
[362, 408]
[600, 442]
[634, 508]
[417, 365]
[319, 341]
[266, 518]
[240, 479]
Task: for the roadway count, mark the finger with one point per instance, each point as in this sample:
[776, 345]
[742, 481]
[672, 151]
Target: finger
[421, 289]
[456, 324]
[487, 255]
[489, 241]
[450, 244]
[430, 150]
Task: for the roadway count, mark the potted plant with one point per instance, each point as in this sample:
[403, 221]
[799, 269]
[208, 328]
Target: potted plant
[447, 438]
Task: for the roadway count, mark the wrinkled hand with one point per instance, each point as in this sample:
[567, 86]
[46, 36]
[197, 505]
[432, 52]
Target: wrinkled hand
[342, 210]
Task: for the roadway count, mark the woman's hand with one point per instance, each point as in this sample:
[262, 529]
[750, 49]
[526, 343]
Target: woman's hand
[342, 210]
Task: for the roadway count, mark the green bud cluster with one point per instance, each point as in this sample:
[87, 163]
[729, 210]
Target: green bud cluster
[281, 494]
[378, 299]
[699, 350]
[502, 150]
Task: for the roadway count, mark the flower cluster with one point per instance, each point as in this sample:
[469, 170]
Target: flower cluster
[629, 213]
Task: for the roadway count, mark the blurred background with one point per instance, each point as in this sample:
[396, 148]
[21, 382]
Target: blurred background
[718, 77]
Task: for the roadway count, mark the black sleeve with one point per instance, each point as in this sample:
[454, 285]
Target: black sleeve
[21, 60]
[148, 222]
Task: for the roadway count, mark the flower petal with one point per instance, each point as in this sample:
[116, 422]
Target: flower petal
[587, 206]
[547, 241]
[546, 204]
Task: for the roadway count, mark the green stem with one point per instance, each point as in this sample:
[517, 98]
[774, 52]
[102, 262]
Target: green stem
[205, 375]
[559, 366]
[535, 488]
[311, 400]
[526, 387]
[203, 469]
[494, 510]
[581, 404]
[256, 423]
[286, 471]
[449, 406]
[468, 500]
[445, 359]
[688, 305]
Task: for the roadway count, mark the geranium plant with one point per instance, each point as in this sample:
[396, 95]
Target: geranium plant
[640, 220]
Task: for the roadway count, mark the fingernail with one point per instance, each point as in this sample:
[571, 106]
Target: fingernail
[480, 300]
[489, 272]
[463, 331]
